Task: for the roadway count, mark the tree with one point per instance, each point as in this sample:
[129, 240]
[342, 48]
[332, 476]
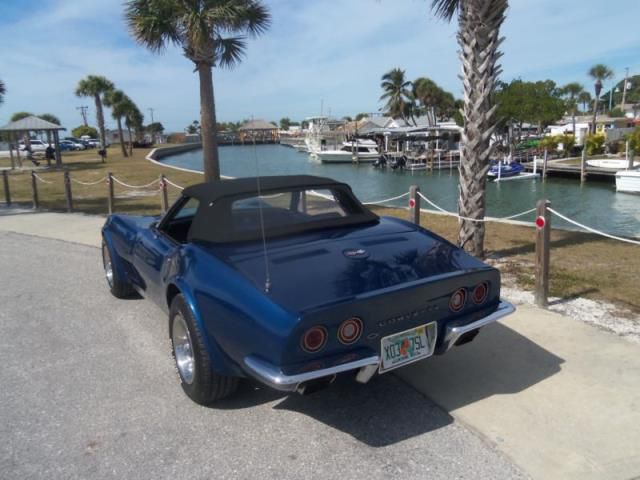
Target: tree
[96, 86]
[285, 123]
[360, 116]
[3, 91]
[347, 118]
[116, 100]
[133, 119]
[155, 128]
[20, 115]
[599, 73]
[435, 102]
[584, 98]
[397, 92]
[479, 23]
[50, 117]
[211, 34]
[84, 130]
[572, 91]
[193, 128]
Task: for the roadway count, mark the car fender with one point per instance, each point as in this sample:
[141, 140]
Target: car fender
[220, 361]
[116, 261]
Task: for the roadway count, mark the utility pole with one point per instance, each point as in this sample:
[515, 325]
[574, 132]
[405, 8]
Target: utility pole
[624, 88]
[153, 133]
[151, 112]
[83, 111]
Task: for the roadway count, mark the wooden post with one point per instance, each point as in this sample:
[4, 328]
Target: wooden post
[16, 142]
[544, 164]
[583, 165]
[164, 197]
[56, 141]
[13, 161]
[67, 191]
[110, 193]
[7, 192]
[414, 204]
[34, 190]
[543, 240]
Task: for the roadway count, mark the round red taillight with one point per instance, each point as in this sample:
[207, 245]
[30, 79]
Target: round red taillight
[480, 293]
[350, 331]
[314, 339]
[457, 300]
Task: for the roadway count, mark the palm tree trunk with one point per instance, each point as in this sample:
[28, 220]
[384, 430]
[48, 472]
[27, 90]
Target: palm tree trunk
[478, 37]
[100, 117]
[120, 134]
[595, 113]
[208, 124]
[130, 140]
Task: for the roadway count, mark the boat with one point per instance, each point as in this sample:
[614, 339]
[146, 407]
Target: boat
[358, 150]
[504, 170]
[628, 181]
[614, 164]
[415, 164]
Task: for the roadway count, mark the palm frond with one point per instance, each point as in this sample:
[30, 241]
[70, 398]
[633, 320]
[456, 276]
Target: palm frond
[152, 23]
[445, 9]
[230, 51]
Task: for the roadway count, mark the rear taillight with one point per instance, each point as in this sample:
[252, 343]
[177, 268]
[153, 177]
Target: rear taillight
[350, 330]
[457, 300]
[480, 293]
[314, 339]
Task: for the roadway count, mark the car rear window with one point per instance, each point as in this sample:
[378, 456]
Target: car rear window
[286, 209]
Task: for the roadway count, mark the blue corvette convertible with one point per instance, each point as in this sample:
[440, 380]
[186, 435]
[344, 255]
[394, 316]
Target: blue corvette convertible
[291, 280]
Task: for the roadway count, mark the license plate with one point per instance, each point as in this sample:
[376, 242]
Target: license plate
[407, 347]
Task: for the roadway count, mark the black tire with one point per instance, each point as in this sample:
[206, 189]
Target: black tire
[200, 382]
[119, 287]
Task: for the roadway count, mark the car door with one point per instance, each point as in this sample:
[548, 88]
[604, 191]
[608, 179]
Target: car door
[157, 248]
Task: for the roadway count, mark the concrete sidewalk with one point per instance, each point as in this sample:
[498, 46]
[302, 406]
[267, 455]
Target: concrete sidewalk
[560, 397]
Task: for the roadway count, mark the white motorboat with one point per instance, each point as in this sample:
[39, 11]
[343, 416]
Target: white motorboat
[614, 164]
[360, 150]
[628, 181]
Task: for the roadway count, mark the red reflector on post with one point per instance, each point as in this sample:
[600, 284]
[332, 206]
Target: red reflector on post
[412, 203]
[540, 222]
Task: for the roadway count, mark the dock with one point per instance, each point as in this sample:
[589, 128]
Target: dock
[559, 169]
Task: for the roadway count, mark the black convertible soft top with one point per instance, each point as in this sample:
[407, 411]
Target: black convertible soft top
[212, 191]
[216, 221]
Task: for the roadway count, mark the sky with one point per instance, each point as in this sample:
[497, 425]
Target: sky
[318, 56]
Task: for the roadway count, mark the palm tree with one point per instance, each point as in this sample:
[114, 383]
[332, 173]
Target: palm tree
[599, 73]
[436, 102]
[3, 91]
[49, 117]
[572, 90]
[479, 23]
[211, 34]
[133, 118]
[96, 86]
[397, 93]
[118, 102]
[584, 98]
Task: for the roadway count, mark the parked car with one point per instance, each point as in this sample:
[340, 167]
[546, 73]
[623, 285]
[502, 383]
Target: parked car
[70, 145]
[36, 146]
[93, 143]
[77, 143]
[295, 282]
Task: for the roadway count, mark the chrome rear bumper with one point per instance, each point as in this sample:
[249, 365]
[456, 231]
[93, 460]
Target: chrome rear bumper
[275, 378]
[454, 332]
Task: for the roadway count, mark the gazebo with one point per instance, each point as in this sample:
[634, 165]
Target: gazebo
[259, 130]
[32, 124]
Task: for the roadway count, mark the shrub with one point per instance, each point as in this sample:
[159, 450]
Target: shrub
[84, 130]
[634, 141]
[595, 143]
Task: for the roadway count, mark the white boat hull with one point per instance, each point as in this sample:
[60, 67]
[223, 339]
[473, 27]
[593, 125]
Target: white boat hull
[613, 164]
[338, 156]
[628, 182]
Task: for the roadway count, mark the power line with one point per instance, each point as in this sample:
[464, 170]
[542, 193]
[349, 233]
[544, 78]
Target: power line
[83, 112]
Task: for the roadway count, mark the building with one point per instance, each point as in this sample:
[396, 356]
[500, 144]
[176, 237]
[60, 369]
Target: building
[259, 131]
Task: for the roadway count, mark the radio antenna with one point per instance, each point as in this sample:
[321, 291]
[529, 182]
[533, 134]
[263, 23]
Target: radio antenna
[267, 275]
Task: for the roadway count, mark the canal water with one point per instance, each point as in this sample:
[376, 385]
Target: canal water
[595, 203]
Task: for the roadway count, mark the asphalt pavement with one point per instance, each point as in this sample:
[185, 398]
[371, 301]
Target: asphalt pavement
[89, 390]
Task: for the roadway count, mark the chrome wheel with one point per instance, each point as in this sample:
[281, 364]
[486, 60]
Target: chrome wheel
[183, 348]
[108, 266]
